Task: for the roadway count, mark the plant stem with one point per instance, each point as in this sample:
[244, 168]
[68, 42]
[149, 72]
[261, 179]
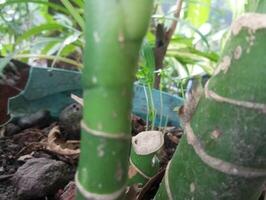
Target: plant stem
[222, 155]
[58, 58]
[114, 31]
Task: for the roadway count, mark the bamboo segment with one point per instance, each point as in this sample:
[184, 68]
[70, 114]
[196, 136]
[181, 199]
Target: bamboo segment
[114, 32]
[144, 163]
[223, 154]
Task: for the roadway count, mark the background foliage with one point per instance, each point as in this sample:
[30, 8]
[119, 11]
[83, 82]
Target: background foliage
[49, 33]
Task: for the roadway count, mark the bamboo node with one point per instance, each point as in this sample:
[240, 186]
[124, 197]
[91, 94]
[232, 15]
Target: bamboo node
[218, 164]
[166, 182]
[95, 196]
[246, 104]
[139, 170]
[120, 136]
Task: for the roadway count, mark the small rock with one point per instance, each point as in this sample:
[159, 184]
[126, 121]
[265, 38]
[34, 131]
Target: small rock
[40, 177]
[69, 121]
[39, 119]
[11, 129]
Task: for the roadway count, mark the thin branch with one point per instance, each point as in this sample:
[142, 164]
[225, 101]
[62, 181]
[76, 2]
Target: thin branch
[163, 38]
[172, 28]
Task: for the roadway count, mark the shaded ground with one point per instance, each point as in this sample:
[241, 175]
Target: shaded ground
[39, 156]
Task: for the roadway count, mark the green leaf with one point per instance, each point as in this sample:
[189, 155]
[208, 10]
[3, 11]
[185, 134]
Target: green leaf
[198, 12]
[255, 6]
[178, 39]
[73, 11]
[4, 61]
[204, 38]
[69, 40]
[79, 3]
[45, 2]
[37, 30]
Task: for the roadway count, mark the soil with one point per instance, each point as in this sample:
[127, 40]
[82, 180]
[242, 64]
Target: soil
[20, 144]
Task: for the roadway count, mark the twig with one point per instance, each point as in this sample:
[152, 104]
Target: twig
[163, 39]
[5, 177]
[77, 99]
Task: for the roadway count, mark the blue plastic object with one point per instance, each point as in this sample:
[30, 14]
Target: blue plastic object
[51, 88]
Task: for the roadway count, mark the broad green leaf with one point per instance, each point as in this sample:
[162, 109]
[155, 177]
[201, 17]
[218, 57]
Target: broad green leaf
[204, 38]
[193, 55]
[73, 11]
[37, 30]
[69, 49]
[79, 3]
[212, 56]
[255, 6]
[198, 12]
[63, 59]
[51, 48]
[69, 40]
[178, 39]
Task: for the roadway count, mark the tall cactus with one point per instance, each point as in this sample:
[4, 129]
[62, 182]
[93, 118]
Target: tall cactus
[114, 33]
[222, 154]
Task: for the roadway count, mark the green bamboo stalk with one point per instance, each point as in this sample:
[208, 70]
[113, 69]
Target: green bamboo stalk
[222, 154]
[144, 163]
[114, 32]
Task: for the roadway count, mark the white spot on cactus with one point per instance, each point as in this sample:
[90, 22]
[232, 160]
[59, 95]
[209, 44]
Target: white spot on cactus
[252, 37]
[223, 66]
[237, 52]
[248, 50]
[94, 80]
[100, 150]
[84, 172]
[100, 185]
[216, 134]
[100, 126]
[119, 172]
[113, 153]
[114, 114]
[251, 43]
[121, 37]
[252, 21]
[192, 187]
[96, 37]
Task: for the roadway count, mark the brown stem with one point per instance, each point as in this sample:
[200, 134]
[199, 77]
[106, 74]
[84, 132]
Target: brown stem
[163, 38]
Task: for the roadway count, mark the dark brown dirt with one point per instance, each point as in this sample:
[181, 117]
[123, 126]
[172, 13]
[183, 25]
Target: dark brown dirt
[18, 145]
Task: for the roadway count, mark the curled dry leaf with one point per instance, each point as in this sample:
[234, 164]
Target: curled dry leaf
[61, 149]
[77, 99]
